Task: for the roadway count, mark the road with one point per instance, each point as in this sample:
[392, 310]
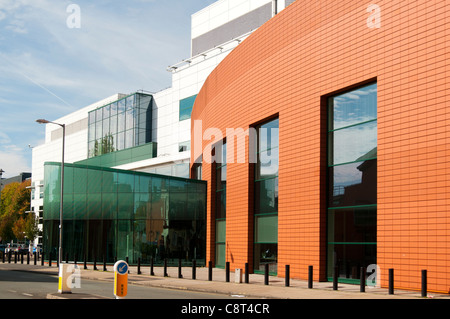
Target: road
[27, 285]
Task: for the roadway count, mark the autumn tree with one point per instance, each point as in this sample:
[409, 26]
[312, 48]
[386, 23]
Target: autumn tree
[14, 202]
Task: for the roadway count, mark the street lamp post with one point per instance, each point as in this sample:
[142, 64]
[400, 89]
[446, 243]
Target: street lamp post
[42, 121]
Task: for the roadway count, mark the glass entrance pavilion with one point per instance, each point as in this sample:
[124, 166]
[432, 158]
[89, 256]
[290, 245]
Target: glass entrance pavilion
[116, 214]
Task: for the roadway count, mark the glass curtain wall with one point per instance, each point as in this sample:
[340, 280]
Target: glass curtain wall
[115, 214]
[266, 198]
[221, 202]
[352, 182]
[120, 125]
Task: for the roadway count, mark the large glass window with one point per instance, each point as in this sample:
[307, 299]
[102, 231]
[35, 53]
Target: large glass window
[266, 198]
[352, 181]
[120, 125]
[220, 152]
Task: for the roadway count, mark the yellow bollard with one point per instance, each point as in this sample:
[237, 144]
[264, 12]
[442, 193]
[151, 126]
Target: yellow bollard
[120, 279]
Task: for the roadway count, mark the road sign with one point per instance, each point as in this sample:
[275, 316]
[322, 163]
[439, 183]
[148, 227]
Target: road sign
[120, 279]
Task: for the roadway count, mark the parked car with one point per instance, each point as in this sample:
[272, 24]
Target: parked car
[22, 249]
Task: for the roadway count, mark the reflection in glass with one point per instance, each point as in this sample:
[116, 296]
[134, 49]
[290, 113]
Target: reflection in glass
[353, 184]
[352, 181]
[109, 120]
[353, 107]
[353, 143]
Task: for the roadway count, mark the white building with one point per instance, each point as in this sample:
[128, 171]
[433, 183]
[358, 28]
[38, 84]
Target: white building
[215, 31]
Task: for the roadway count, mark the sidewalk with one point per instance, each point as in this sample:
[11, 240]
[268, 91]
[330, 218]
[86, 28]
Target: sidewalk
[298, 289]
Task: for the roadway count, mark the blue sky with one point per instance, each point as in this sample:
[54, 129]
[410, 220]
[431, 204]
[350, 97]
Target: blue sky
[48, 69]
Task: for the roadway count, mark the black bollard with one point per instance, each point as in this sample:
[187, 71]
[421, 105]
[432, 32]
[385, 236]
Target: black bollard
[139, 266]
[3, 257]
[35, 258]
[210, 270]
[246, 273]
[76, 259]
[95, 263]
[335, 278]
[28, 259]
[85, 261]
[50, 260]
[362, 279]
[9, 257]
[152, 273]
[310, 277]
[126, 259]
[391, 281]
[21, 258]
[179, 268]
[67, 258]
[266, 274]
[104, 263]
[42, 259]
[165, 268]
[194, 269]
[227, 271]
[424, 283]
[287, 274]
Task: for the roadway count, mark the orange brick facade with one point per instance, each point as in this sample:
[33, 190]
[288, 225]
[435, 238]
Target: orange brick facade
[286, 68]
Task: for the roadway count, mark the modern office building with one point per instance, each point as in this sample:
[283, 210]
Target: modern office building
[334, 123]
[145, 134]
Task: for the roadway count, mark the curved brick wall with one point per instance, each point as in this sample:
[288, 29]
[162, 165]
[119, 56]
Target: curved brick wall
[286, 68]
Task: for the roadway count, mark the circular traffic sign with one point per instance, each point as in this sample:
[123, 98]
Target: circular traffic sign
[121, 267]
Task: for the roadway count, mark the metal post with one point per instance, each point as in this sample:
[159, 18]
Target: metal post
[95, 262]
[139, 266]
[424, 283]
[62, 194]
[194, 269]
[151, 267]
[179, 268]
[227, 271]
[310, 277]
[35, 258]
[210, 270]
[335, 278]
[362, 279]
[28, 259]
[266, 274]
[21, 258]
[85, 261]
[246, 273]
[50, 259]
[104, 263]
[286, 278]
[165, 268]
[391, 281]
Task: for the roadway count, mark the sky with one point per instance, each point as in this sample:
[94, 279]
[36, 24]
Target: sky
[58, 56]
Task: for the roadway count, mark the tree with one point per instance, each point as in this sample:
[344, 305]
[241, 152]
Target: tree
[15, 201]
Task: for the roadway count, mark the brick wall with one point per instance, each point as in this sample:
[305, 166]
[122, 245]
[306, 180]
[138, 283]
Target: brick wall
[313, 49]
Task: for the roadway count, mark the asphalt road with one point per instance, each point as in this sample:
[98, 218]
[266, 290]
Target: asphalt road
[26, 285]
